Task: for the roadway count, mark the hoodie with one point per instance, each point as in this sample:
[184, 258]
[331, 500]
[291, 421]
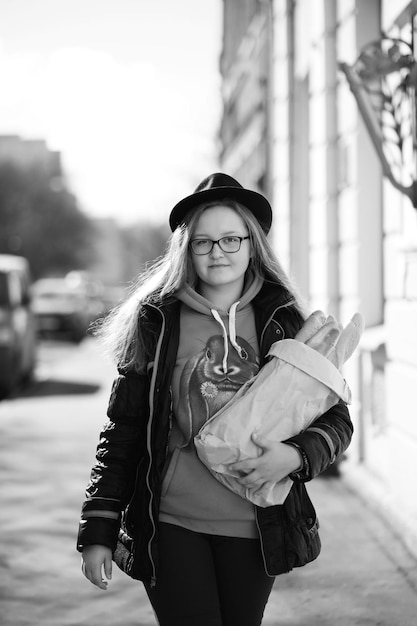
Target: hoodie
[218, 352]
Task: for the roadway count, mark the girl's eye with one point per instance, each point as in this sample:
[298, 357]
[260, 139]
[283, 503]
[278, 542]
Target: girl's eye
[230, 239]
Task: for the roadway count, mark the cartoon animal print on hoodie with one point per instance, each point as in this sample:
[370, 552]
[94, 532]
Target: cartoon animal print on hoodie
[207, 384]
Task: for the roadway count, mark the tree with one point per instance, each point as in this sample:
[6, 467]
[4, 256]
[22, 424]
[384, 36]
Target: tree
[40, 220]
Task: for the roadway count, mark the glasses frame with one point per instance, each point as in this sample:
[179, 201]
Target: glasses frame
[218, 241]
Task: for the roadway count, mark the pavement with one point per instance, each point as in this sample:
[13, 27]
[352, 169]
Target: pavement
[364, 575]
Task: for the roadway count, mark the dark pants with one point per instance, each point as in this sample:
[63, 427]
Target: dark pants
[208, 580]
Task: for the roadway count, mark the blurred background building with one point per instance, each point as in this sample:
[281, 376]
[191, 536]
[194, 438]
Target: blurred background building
[345, 228]
[29, 152]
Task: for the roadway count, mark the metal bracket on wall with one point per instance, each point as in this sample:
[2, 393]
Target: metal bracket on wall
[383, 81]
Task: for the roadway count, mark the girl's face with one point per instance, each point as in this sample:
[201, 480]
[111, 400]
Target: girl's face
[218, 268]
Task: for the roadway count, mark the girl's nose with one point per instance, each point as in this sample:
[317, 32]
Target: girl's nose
[216, 251]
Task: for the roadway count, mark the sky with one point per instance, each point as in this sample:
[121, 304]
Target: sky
[127, 90]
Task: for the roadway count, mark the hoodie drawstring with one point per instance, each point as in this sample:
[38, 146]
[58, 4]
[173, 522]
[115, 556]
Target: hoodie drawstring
[232, 333]
[232, 329]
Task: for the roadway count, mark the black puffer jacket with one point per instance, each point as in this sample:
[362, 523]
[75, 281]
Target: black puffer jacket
[124, 490]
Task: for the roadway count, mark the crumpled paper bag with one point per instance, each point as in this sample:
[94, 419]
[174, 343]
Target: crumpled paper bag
[296, 386]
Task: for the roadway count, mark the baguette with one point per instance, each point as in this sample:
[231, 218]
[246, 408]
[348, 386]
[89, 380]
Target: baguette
[325, 339]
[328, 337]
[348, 341]
[312, 324]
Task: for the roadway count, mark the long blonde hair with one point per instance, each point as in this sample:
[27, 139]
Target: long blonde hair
[121, 332]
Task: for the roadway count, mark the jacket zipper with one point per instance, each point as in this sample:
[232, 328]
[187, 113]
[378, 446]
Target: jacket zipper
[262, 543]
[149, 441]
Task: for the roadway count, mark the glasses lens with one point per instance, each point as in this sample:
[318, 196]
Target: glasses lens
[201, 246]
[230, 244]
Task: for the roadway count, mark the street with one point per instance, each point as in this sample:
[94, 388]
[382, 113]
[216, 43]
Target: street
[48, 435]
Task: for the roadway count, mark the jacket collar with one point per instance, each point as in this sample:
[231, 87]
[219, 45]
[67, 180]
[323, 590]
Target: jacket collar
[271, 297]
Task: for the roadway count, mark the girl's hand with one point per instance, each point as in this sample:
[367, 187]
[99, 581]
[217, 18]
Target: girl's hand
[94, 559]
[277, 460]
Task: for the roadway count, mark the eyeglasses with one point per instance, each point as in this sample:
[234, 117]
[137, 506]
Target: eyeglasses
[227, 244]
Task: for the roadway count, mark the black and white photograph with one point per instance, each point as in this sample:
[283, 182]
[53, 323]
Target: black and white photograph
[208, 312]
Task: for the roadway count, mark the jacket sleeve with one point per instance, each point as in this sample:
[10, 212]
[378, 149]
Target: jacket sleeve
[122, 444]
[322, 443]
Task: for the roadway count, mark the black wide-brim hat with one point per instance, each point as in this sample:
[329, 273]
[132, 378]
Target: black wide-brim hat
[220, 187]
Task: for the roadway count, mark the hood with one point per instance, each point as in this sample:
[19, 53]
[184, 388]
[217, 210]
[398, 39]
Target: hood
[198, 303]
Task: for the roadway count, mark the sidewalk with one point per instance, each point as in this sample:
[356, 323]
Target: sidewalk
[364, 575]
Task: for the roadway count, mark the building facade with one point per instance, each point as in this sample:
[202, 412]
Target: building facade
[341, 228]
[245, 66]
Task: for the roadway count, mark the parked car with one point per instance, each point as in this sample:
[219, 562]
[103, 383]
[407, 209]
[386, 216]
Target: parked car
[62, 308]
[94, 292]
[17, 323]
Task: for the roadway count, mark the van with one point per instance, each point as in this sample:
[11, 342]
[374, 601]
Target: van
[17, 323]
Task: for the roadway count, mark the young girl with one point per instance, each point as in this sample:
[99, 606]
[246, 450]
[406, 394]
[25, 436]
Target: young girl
[197, 327]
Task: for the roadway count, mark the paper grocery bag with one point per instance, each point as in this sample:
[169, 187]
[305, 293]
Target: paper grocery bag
[294, 388]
